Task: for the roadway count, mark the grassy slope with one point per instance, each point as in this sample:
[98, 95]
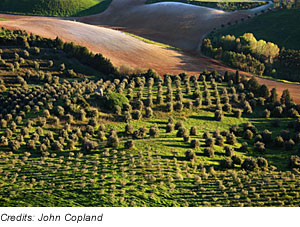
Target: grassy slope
[54, 7]
[281, 27]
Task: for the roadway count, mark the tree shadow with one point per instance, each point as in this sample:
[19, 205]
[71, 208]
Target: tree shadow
[205, 118]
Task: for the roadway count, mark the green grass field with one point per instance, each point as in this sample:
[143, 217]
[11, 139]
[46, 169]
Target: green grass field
[280, 27]
[65, 8]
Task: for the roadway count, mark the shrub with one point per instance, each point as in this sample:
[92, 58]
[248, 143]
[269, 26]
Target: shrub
[266, 113]
[19, 119]
[129, 144]
[90, 130]
[93, 113]
[3, 123]
[206, 135]
[248, 134]
[209, 152]
[228, 151]
[259, 147]
[62, 67]
[294, 161]
[137, 115]
[277, 112]
[8, 133]
[244, 147]
[14, 145]
[267, 136]
[169, 128]
[220, 141]
[43, 148]
[231, 139]
[247, 108]
[219, 115]
[127, 107]
[195, 143]
[198, 102]
[149, 112]
[236, 160]
[127, 116]
[179, 124]
[293, 113]
[60, 110]
[262, 162]
[193, 131]
[190, 155]
[69, 118]
[128, 129]
[139, 134]
[154, 131]
[278, 142]
[118, 110]
[210, 142]
[178, 106]
[57, 146]
[226, 163]
[182, 132]
[237, 113]
[227, 107]
[139, 105]
[113, 141]
[289, 145]
[249, 164]
[186, 138]
[93, 122]
[115, 99]
[70, 144]
[89, 145]
[46, 114]
[169, 107]
[188, 105]
[258, 138]
[50, 63]
[3, 141]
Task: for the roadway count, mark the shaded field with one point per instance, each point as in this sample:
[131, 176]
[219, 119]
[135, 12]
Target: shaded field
[280, 27]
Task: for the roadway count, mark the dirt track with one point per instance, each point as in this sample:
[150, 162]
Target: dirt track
[123, 49]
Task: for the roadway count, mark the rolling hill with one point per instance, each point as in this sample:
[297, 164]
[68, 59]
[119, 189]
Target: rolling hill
[54, 7]
[280, 27]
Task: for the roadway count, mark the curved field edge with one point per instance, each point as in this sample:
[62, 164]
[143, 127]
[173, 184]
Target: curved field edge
[280, 27]
[58, 8]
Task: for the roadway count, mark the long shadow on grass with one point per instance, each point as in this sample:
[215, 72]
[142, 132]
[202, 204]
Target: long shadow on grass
[205, 118]
[178, 145]
[172, 157]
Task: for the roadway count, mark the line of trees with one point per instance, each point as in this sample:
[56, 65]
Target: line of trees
[255, 56]
[96, 61]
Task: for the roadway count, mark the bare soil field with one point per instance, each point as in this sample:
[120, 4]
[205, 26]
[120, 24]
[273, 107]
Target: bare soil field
[177, 24]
